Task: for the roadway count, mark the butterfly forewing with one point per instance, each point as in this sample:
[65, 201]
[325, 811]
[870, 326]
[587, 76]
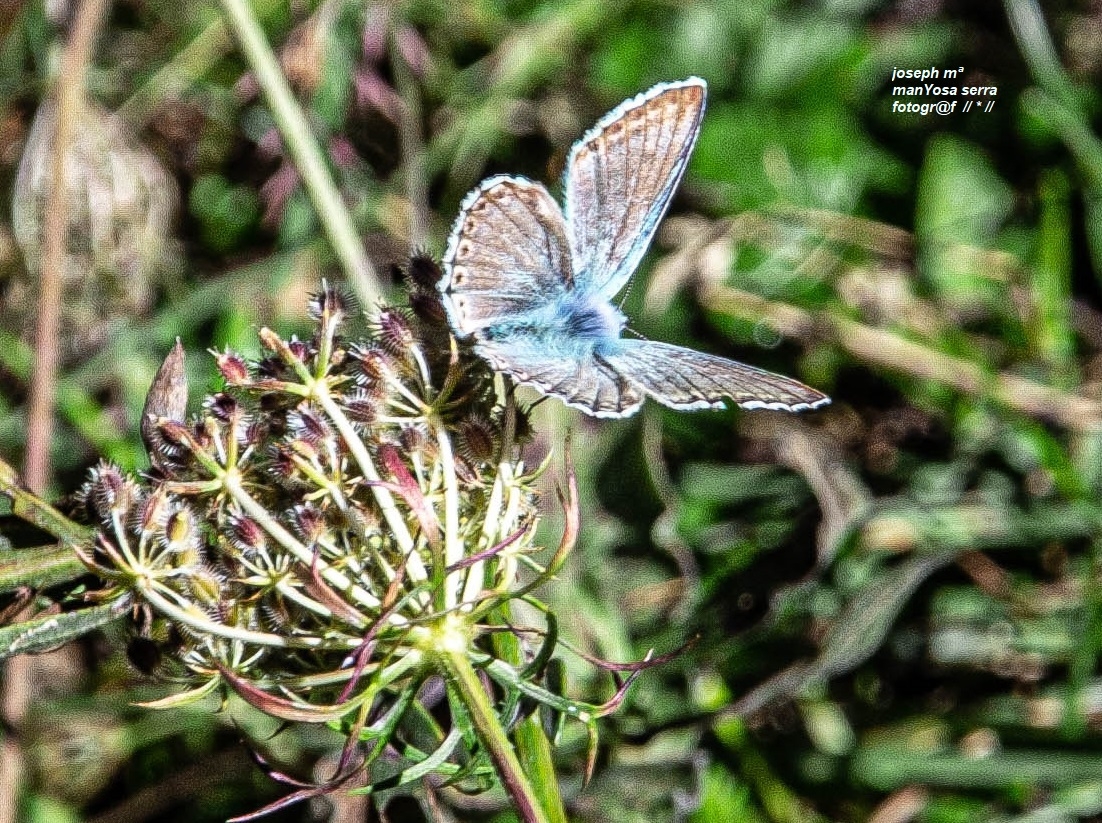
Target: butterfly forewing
[621, 176]
[685, 379]
[507, 254]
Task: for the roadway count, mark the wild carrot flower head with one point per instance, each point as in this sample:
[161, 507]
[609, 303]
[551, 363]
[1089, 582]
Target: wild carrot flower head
[337, 521]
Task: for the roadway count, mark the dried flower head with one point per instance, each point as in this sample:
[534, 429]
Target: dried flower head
[339, 526]
[118, 236]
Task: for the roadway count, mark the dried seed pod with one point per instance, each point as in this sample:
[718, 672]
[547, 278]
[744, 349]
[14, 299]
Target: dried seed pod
[205, 585]
[428, 308]
[330, 305]
[245, 533]
[478, 439]
[307, 423]
[423, 271]
[166, 401]
[309, 522]
[109, 493]
[222, 406]
[181, 531]
[395, 332]
[233, 368]
[372, 367]
[301, 349]
[361, 406]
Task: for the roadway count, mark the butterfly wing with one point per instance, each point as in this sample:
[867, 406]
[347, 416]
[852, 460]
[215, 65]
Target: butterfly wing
[621, 176]
[507, 254]
[685, 379]
[567, 371]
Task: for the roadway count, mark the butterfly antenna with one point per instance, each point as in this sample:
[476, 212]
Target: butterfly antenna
[625, 293]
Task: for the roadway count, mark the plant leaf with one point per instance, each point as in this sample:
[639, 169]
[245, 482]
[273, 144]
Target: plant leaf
[52, 630]
[39, 567]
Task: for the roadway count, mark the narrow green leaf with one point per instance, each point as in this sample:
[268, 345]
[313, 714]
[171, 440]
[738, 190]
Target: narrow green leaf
[888, 767]
[39, 567]
[434, 760]
[865, 624]
[186, 698]
[44, 633]
[1050, 279]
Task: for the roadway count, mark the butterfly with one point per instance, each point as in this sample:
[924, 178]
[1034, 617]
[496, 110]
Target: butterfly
[532, 285]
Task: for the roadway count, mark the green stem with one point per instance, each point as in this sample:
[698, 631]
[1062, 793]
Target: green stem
[34, 509]
[453, 540]
[1027, 22]
[492, 735]
[1074, 129]
[177, 76]
[304, 150]
[535, 750]
[197, 620]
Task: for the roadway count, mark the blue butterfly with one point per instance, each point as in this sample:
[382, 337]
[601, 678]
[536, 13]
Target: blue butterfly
[532, 286]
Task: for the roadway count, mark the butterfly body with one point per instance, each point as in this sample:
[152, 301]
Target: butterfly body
[572, 318]
[532, 285]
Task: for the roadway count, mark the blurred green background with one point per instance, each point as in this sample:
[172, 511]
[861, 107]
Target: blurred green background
[890, 605]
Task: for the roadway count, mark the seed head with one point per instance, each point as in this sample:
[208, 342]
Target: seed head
[320, 522]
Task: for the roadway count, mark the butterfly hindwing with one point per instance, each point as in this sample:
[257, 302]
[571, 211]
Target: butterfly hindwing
[621, 176]
[685, 379]
[508, 254]
[568, 372]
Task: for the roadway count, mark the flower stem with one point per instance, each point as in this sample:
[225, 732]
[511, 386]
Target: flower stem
[493, 736]
[34, 509]
[303, 148]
